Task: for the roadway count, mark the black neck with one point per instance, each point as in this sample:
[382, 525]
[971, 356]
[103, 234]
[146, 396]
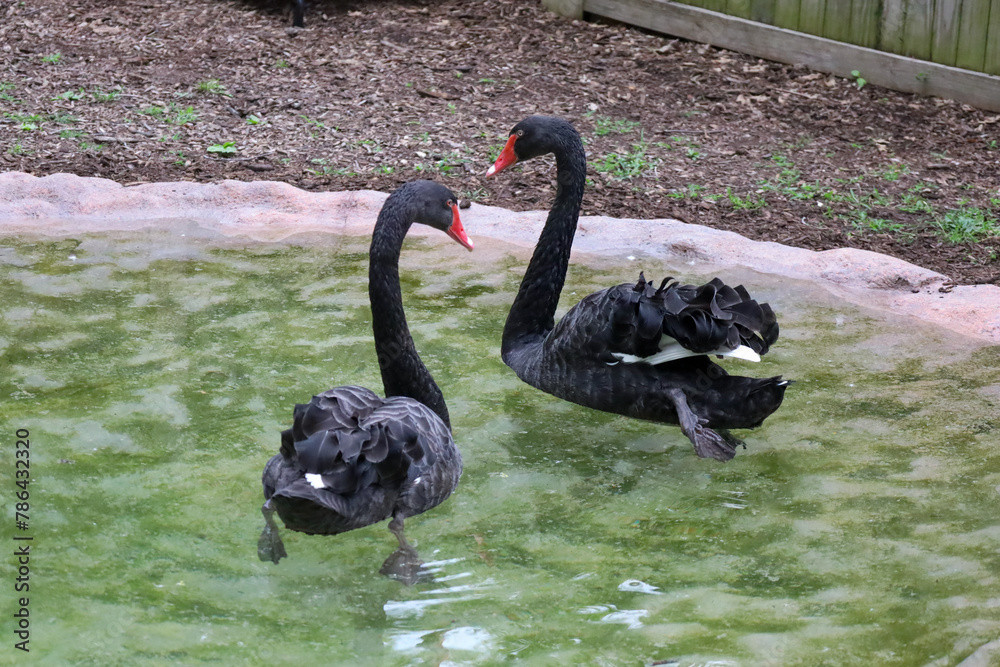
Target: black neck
[403, 373]
[532, 316]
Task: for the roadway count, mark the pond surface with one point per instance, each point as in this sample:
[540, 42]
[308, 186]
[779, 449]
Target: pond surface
[155, 371]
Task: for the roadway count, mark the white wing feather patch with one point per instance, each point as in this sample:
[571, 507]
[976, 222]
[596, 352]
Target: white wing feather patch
[671, 350]
[315, 480]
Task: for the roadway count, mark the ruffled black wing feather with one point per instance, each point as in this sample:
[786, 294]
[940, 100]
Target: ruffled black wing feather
[702, 318]
[371, 454]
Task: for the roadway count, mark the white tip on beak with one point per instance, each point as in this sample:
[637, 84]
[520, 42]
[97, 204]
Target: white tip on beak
[492, 170]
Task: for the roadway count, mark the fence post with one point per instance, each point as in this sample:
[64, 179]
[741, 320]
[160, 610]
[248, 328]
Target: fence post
[572, 9]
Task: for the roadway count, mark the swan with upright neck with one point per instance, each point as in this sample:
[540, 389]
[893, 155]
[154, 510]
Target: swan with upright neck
[351, 458]
[632, 349]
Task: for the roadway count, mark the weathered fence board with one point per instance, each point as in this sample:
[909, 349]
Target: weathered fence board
[947, 14]
[893, 27]
[864, 23]
[786, 14]
[811, 14]
[763, 11]
[991, 65]
[918, 29]
[972, 35]
[837, 21]
[879, 68]
[739, 8]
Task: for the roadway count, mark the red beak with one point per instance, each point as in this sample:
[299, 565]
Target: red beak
[506, 158]
[457, 231]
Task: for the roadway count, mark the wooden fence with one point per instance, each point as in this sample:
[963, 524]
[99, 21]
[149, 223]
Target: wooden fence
[946, 48]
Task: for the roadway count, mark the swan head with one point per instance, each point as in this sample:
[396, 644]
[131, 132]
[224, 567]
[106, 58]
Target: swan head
[532, 137]
[437, 207]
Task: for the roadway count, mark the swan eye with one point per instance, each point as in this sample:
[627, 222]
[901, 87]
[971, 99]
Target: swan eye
[450, 203]
[520, 133]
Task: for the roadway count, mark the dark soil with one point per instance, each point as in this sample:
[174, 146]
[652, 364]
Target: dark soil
[373, 93]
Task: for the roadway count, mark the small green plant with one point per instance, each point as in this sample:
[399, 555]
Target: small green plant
[63, 118]
[748, 203]
[691, 191]
[70, 95]
[604, 125]
[18, 149]
[254, 120]
[922, 77]
[370, 145]
[212, 87]
[27, 122]
[384, 169]
[451, 161]
[317, 124]
[227, 148]
[912, 203]
[87, 146]
[451, 107]
[991, 145]
[282, 63]
[109, 96]
[624, 166]
[180, 160]
[966, 225]
[692, 154]
[183, 116]
[782, 161]
[858, 79]
[52, 58]
[864, 222]
[326, 170]
[6, 85]
[894, 171]
[154, 112]
[70, 134]
[487, 81]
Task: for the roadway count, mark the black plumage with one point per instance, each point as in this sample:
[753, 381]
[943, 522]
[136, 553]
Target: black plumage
[351, 458]
[603, 352]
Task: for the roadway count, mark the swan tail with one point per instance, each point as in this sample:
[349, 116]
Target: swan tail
[338, 449]
[673, 321]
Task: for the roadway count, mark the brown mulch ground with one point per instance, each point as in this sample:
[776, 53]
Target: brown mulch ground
[373, 93]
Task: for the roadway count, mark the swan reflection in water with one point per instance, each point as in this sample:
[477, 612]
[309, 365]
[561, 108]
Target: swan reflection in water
[352, 458]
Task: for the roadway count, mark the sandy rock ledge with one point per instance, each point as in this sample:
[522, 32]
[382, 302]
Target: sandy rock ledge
[64, 204]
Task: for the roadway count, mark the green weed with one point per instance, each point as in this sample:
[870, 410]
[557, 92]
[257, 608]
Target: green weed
[109, 96]
[864, 222]
[748, 203]
[624, 166]
[70, 95]
[604, 125]
[226, 148]
[212, 87]
[912, 203]
[966, 225]
[183, 116]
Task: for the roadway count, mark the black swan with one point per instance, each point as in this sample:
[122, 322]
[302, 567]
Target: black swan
[351, 458]
[633, 349]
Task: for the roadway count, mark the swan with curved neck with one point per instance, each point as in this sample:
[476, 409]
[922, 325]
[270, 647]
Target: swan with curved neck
[351, 458]
[632, 349]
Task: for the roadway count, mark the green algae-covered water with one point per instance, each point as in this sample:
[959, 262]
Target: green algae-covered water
[154, 372]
